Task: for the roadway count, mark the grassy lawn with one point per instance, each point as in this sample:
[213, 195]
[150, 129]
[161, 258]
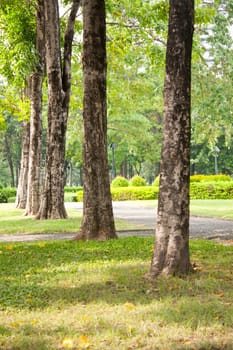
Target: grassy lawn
[13, 221]
[221, 208]
[213, 208]
[92, 295]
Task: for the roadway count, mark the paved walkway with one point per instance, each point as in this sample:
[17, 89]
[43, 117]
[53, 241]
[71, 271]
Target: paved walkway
[144, 219]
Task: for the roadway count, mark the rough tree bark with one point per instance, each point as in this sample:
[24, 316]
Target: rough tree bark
[59, 80]
[35, 149]
[171, 252]
[98, 221]
[21, 197]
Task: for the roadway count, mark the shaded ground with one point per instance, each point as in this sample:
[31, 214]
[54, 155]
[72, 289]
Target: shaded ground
[144, 219]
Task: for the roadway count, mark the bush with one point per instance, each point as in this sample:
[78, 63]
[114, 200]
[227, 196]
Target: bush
[208, 178]
[7, 192]
[198, 190]
[218, 190]
[73, 189]
[129, 193]
[3, 197]
[137, 181]
[134, 193]
[120, 181]
[156, 181]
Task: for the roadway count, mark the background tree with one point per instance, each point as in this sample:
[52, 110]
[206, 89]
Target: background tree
[16, 59]
[98, 221]
[35, 147]
[171, 252]
[59, 82]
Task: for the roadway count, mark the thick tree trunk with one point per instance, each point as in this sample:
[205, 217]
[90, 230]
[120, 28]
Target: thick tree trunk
[52, 201]
[171, 253]
[35, 151]
[98, 221]
[21, 197]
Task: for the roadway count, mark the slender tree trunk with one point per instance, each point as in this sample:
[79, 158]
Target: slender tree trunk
[9, 159]
[98, 221]
[70, 174]
[59, 80]
[21, 197]
[35, 151]
[171, 253]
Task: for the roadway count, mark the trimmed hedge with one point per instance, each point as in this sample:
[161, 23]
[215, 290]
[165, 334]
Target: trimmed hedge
[120, 181]
[6, 193]
[219, 190]
[3, 197]
[134, 193]
[129, 193]
[73, 189]
[208, 178]
[137, 181]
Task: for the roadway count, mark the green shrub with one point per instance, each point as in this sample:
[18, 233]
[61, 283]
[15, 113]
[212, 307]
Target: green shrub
[156, 181]
[120, 181]
[217, 190]
[129, 193]
[3, 197]
[79, 197]
[198, 190]
[134, 193]
[9, 192]
[137, 181]
[208, 178]
[73, 189]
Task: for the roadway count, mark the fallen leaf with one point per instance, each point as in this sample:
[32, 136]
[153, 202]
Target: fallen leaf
[68, 343]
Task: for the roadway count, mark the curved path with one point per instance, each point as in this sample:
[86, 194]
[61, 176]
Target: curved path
[144, 219]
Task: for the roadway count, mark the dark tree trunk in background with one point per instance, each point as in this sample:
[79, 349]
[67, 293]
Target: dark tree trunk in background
[21, 197]
[98, 221]
[9, 159]
[171, 253]
[59, 80]
[35, 151]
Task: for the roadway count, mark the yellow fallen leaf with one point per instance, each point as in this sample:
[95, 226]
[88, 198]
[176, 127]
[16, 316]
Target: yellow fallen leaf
[68, 343]
[9, 247]
[41, 245]
[129, 306]
[84, 341]
[220, 295]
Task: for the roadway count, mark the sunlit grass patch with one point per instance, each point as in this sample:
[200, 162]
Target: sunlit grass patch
[57, 295]
[13, 221]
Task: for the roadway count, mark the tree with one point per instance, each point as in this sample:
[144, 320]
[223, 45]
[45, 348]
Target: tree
[59, 82]
[98, 221]
[171, 251]
[35, 148]
[21, 196]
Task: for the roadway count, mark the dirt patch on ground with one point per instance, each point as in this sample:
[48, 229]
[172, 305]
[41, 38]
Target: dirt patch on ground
[227, 242]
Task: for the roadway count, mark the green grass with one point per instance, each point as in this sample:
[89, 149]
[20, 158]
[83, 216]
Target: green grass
[221, 208]
[59, 295]
[213, 208]
[14, 222]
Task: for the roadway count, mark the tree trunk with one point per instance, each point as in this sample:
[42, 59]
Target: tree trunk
[35, 151]
[9, 159]
[21, 197]
[171, 252]
[52, 199]
[98, 221]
